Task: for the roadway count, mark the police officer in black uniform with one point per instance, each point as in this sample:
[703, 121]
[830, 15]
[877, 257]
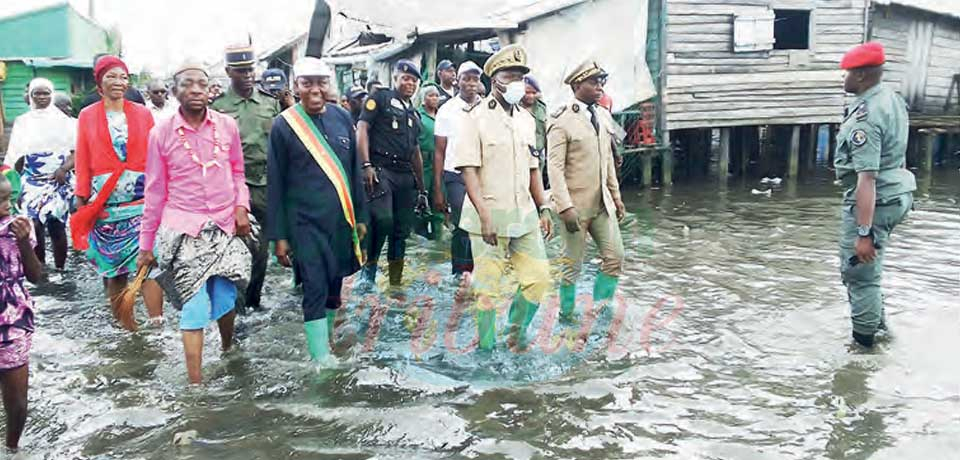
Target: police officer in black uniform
[389, 152]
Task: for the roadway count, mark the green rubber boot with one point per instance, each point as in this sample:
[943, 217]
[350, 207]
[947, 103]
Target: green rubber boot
[487, 327]
[531, 313]
[521, 315]
[604, 288]
[331, 321]
[568, 301]
[317, 339]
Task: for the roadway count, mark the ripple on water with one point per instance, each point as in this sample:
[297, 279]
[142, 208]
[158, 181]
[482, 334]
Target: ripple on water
[730, 341]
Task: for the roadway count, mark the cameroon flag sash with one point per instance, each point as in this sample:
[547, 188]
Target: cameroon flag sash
[323, 154]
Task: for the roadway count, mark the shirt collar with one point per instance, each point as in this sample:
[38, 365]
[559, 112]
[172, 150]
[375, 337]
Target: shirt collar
[583, 105]
[180, 122]
[870, 92]
[237, 99]
[423, 111]
[584, 108]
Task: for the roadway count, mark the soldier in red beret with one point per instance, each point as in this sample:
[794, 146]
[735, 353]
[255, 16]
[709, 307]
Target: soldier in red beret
[871, 163]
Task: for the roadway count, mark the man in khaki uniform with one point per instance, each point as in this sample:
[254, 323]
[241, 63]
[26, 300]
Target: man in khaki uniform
[254, 109]
[507, 209]
[584, 183]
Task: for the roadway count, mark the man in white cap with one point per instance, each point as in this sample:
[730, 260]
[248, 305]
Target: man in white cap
[449, 118]
[195, 214]
[316, 203]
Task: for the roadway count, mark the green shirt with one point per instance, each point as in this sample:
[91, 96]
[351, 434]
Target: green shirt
[539, 112]
[873, 137]
[427, 146]
[255, 120]
[15, 188]
[427, 143]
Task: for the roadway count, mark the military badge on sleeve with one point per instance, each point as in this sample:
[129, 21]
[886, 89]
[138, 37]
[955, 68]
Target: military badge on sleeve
[861, 111]
[858, 138]
[371, 105]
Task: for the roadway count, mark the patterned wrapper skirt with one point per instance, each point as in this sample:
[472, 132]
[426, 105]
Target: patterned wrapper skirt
[114, 247]
[187, 262]
[14, 348]
[43, 197]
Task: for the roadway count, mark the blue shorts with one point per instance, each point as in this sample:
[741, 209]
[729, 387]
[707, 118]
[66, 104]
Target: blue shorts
[216, 298]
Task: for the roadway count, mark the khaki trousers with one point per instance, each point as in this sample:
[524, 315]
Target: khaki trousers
[605, 231]
[528, 256]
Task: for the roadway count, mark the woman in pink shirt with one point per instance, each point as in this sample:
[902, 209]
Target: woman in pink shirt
[195, 213]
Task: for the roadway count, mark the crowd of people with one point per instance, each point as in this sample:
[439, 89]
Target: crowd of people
[179, 192]
[181, 199]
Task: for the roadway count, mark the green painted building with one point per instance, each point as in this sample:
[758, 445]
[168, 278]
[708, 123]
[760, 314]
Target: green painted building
[56, 42]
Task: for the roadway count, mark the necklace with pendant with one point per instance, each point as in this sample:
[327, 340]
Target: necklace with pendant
[196, 158]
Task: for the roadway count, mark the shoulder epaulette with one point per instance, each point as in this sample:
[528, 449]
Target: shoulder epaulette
[266, 93]
[559, 111]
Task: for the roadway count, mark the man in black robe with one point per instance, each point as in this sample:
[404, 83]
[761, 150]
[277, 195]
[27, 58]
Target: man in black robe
[307, 218]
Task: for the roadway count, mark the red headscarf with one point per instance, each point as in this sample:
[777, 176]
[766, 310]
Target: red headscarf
[104, 64]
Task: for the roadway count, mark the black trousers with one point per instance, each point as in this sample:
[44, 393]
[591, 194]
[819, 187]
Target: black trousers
[462, 255]
[391, 214]
[258, 207]
[321, 292]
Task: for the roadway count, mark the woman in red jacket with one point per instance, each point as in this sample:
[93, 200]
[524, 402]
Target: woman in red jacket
[110, 158]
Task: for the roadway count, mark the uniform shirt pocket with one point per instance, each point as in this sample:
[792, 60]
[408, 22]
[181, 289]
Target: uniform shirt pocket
[266, 121]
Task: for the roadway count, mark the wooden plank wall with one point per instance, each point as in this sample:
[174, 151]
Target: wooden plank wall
[708, 85]
[944, 63]
[923, 54]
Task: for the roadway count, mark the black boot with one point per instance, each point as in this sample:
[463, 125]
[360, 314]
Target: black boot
[863, 339]
[395, 268]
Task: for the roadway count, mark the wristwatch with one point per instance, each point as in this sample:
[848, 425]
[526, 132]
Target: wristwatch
[543, 208]
[864, 231]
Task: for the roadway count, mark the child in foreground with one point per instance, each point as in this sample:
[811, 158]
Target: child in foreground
[18, 262]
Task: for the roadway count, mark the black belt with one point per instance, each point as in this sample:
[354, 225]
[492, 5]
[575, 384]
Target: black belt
[391, 161]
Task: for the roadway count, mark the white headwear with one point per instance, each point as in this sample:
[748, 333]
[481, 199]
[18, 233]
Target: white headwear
[38, 83]
[469, 66]
[41, 130]
[311, 67]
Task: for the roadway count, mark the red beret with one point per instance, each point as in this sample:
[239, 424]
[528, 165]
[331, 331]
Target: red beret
[104, 64]
[865, 55]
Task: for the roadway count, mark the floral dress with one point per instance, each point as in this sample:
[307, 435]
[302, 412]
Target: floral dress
[114, 241]
[16, 317]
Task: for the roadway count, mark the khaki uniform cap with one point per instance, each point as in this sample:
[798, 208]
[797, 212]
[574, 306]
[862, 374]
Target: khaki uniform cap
[585, 71]
[509, 57]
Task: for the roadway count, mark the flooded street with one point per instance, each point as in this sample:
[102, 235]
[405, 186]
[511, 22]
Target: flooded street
[731, 341]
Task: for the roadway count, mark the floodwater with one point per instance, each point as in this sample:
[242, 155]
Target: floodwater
[730, 341]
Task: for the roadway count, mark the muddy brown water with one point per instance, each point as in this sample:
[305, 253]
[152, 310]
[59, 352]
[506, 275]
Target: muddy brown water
[731, 341]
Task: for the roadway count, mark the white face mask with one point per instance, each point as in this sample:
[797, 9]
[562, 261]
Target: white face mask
[515, 92]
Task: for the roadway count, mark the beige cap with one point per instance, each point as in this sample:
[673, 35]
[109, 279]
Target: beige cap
[585, 71]
[509, 57]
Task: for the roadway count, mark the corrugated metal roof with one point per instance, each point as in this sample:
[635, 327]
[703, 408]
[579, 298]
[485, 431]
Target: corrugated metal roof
[44, 63]
[406, 20]
[945, 7]
[400, 17]
[10, 10]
